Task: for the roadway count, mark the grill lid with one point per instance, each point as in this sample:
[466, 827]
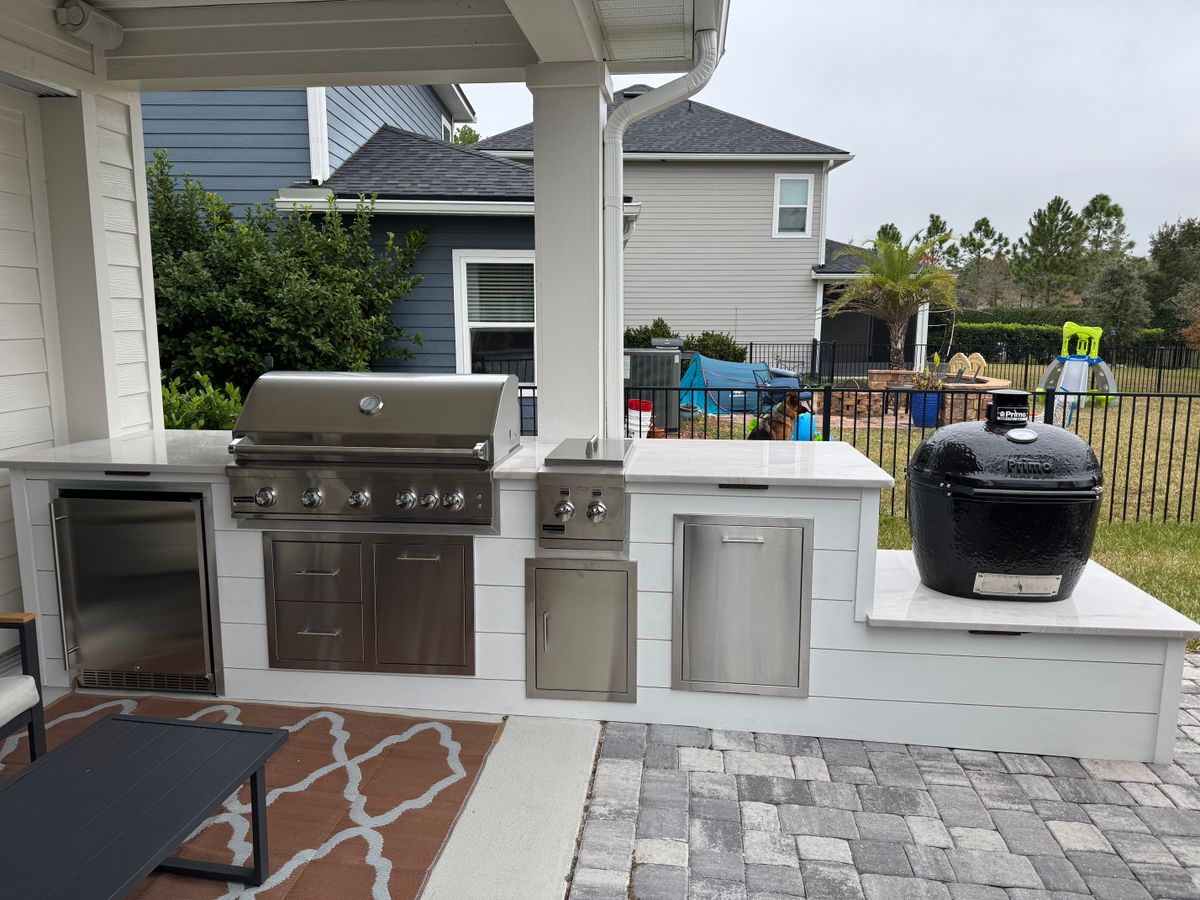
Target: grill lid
[1006, 454]
[370, 417]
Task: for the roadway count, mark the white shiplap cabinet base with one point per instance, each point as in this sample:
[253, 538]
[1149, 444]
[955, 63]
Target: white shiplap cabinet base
[1075, 695]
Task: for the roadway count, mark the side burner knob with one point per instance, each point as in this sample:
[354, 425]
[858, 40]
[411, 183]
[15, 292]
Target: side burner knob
[597, 512]
[454, 501]
[564, 511]
[406, 500]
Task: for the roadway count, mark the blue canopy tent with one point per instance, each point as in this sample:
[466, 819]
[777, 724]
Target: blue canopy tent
[722, 388]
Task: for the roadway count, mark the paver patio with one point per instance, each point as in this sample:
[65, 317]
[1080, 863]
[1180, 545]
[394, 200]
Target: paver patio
[681, 812]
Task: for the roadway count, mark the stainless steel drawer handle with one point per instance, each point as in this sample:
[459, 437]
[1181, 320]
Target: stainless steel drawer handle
[307, 633]
[546, 632]
[329, 572]
[419, 557]
[737, 540]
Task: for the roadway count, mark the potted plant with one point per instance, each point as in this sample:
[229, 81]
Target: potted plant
[926, 399]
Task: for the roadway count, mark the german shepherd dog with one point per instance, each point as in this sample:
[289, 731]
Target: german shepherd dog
[778, 423]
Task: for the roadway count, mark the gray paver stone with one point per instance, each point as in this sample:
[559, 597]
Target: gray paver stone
[831, 881]
[759, 816]
[1087, 790]
[710, 889]
[1065, 766]
[787, 744]
[960, 806]
[1185, 796]
[1037, 787]
[1116, 889]
[768, 789]
[979, 760]
[665, 788]
[732, 740]
[599, 884]
[1134, 847]
[714, 785]
[1061, 811]
[1025, 764]
[897, 769]
[660, 822]
[607, 844]
[659, 883]
[679, 735]
[749, 762]
[1186, 849]
[783, 880]
[707, 808]
[1107, 865]
[769, 848]
[929, 830]
[1037, 841]
[834, 796]
[624, 743]
[838, 823]
[1114, 818]
[1167, 881]
[844, 753]
[977, 892]
[719, 864]
[880, 858]
[852, 774]
[999, 869]
[1058, 874]
[930, 863]
[715, 834]
[1171, 821]
[900, 801]
[873, 826]
[1085, 838]
[661, 756]
[891, 887]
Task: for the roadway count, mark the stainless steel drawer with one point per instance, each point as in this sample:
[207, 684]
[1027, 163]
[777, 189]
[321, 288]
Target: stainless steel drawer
[741, 610]
[317, 571]
[309, 631]
[424, 598]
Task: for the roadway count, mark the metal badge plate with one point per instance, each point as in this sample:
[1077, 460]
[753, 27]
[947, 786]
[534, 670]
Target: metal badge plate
[995, 584]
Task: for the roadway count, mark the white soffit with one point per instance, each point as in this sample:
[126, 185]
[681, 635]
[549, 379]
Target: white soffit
[637, 30]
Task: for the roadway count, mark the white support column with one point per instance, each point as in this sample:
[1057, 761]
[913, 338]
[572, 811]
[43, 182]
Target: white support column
[569, 111]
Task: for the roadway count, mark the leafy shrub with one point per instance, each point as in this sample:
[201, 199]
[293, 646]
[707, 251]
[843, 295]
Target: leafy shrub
[307, 290]
[1040, 315]
[715, 345]
[640, 337]
[200, 407]
[1191, 336]
[1035, 341]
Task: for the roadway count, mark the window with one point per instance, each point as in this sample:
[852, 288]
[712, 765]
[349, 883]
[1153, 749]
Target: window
[494, 312]
[447, 130]
[793, 206]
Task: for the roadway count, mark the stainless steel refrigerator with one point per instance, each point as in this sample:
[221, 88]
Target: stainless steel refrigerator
[134, 587]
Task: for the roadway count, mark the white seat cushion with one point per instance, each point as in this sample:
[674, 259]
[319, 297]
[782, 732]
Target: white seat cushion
[17, 694]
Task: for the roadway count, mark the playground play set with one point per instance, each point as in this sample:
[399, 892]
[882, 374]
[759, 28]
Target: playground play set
[776, 404]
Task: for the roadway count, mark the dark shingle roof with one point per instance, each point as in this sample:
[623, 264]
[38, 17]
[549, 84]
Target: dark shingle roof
[686, 127]
[840, 265]
[401, 165]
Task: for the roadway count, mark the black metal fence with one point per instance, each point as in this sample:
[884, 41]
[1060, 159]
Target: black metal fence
[1148, 443]
[1161, 369]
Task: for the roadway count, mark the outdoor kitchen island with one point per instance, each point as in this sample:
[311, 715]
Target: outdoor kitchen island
[872, 665]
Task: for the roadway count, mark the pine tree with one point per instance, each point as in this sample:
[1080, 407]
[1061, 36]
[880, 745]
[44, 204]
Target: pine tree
[1049, 260]
[466, 136]
[940, 237]
[1103, 223]
[889, 232]
[983, 242]
[1116, 299]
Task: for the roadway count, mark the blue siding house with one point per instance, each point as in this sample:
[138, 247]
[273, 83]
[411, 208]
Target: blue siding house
[245, 145]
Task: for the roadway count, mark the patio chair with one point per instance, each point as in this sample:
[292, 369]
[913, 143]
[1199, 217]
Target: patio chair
[20, 695]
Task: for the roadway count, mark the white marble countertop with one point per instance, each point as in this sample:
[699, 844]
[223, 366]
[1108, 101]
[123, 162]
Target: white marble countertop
[818, 464]
[184, 452]
[1102, 603]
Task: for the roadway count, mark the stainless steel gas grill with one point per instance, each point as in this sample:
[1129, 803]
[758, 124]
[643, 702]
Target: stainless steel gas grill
[370, 447]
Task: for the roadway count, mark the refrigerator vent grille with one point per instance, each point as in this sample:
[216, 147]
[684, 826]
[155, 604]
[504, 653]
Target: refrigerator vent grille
[145, 681]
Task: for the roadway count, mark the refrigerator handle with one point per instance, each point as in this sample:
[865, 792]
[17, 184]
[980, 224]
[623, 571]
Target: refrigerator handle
[62, 558]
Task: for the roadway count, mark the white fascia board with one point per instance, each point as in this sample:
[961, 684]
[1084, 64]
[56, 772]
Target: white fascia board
[827, 276]
[834, 161]
[455, 100]
[298, 198]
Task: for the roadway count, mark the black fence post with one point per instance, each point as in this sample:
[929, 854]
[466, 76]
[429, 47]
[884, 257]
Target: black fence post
[826, 410]
[814, 360]
[1048, 411]
[833, 361]
[750, 353]
[1158, 379]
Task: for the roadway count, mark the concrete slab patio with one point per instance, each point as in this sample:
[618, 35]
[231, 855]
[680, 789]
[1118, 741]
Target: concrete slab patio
[681, 812]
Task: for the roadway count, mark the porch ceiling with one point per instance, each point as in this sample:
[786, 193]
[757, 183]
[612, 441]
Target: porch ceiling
[193, 44]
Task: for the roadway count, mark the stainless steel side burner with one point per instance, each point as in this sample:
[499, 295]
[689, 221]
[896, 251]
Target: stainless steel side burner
[581, 495]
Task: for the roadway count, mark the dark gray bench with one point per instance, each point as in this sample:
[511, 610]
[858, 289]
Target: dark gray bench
[94, 817]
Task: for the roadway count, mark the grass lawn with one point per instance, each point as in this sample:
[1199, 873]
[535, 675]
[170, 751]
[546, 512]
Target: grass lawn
[1163, 560]
[1133, 379]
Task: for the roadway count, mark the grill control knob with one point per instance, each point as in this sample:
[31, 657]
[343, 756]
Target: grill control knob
[265, 496]
[597, 512]
[430, 501]
[406, 500]
[311, 498]
[359, 499]
[564, 511]
[454, 501]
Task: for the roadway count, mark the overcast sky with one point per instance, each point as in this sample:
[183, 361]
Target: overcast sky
[965, 107]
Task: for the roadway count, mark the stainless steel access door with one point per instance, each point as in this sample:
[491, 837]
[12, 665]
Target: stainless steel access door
[132, 581]
[742, 598]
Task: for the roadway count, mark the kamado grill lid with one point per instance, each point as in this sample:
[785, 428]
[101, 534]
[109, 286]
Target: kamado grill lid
[1007, 452]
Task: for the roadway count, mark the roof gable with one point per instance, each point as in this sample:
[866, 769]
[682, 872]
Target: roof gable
[687, 127]
[401, 165]
[849, 264]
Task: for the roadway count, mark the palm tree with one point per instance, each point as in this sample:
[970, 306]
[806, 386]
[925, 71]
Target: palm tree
[895, 281]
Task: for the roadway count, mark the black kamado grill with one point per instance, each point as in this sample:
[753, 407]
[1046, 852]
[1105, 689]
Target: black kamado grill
[1004, 508]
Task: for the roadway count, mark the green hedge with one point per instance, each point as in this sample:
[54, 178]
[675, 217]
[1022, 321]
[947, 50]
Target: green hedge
[1048, 315]
[1037, 341]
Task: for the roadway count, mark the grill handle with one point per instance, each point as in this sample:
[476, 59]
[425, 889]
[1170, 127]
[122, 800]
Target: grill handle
[1005, 493]
[242, 448]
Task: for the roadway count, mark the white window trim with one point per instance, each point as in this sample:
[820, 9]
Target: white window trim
[462, 335]
[318, 135]
[448, 126]
[808, 222]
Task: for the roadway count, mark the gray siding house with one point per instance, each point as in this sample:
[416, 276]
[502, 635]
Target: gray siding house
[732, 222]
[244, 144]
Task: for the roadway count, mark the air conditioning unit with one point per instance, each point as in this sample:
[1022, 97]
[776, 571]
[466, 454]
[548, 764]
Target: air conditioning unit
[657, 368]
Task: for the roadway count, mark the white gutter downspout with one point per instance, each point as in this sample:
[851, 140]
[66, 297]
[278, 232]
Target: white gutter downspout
[624, 115]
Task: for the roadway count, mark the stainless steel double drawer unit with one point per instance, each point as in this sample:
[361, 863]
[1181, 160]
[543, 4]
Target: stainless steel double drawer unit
[742, 604]
[379, 603]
